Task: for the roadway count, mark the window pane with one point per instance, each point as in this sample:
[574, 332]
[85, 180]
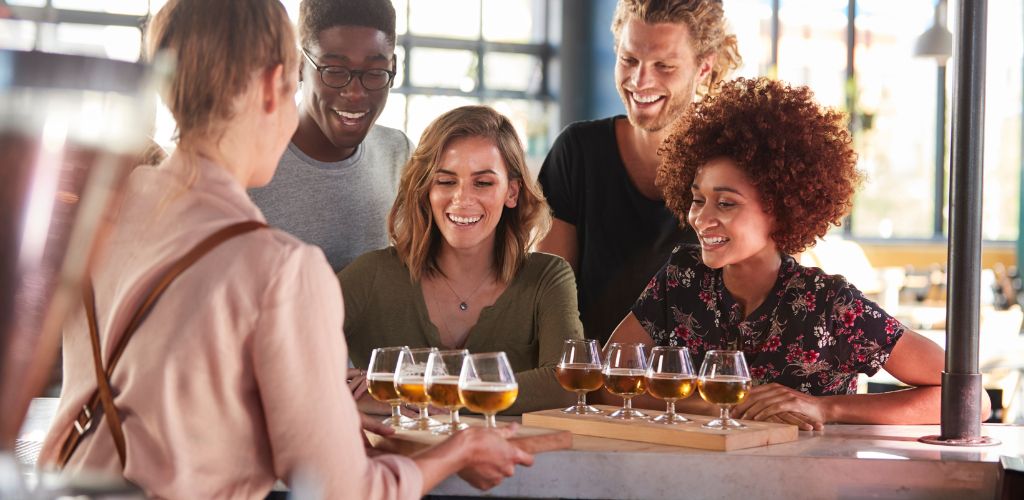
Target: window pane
[505, 71]
[424, 109]
[530, 119]
[896, 106]
[17, 35]
[751, 21]
[399, 67]
[513, 21]
[401, 16]
[1003, 121]
[115, 42]
[27, 3]
[292, 6]
[812, 47]
[445, 18]
[133, 7]
[450, 69]
[394, 112]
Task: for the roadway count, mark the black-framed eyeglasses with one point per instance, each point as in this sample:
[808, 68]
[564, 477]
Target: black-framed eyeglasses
[337, 77]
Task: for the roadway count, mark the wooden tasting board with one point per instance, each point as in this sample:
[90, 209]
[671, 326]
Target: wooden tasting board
[690, 435]
[529, 439]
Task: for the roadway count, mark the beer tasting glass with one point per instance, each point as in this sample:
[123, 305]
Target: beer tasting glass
[380, 383]
[624, 369]
[670, 377]
[487, 384]
[412, 364]
[724, 381]
[579, 371]
[442, 382]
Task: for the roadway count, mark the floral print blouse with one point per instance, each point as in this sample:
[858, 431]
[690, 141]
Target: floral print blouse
[814, 332]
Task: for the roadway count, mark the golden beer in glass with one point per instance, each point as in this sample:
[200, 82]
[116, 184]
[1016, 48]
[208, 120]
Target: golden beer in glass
[409, 381]
[624, 369]
[724, 381]
[579, 371]
[724, 390]
[487, 384]
[442, 382]
[670, 378]
[380, 383]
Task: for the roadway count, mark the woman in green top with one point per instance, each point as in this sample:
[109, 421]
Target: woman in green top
[459, 273]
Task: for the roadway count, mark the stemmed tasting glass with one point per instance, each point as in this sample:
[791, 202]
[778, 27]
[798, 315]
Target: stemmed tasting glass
[380, 383]
[579, 371]
[624, 369]
[724, 381]
[412, 364]
[442, 382]
[487, 384]
[670, 377]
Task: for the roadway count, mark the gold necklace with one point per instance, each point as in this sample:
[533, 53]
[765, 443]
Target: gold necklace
[463, 303]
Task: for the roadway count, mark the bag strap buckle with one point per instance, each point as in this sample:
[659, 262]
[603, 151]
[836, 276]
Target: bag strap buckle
[86, 415]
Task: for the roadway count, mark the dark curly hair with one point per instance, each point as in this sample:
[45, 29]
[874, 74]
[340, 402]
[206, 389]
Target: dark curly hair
[318, 15]
[796, 153]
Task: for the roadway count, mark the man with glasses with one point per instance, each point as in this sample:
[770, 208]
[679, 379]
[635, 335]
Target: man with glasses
[339, 176]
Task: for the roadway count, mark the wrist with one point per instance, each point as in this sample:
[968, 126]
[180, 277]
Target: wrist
[830, 409]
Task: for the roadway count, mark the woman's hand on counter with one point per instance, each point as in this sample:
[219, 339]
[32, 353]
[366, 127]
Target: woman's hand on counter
[784, 404]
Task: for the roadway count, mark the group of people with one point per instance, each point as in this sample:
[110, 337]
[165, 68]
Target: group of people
[674, 224]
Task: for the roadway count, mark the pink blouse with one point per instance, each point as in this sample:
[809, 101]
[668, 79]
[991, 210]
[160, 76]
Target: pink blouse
[237, 377]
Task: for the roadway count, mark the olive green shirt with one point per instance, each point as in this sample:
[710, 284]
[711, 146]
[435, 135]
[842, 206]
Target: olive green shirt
[529, 321]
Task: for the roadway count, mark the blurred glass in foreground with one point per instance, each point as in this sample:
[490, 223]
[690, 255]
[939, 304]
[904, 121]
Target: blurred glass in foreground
[71, 128]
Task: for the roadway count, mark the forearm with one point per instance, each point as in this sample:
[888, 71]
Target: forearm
[438, 462]
[919, 405]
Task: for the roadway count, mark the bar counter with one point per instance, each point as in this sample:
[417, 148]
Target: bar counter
[842, 461]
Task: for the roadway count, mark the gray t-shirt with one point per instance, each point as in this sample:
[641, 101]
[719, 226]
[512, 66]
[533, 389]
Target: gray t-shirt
[342, 207]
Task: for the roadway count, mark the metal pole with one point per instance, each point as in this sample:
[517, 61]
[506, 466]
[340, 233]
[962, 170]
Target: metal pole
[775, 38]
[574, 60]
[940, 150]
[851, 88]
[961, 382]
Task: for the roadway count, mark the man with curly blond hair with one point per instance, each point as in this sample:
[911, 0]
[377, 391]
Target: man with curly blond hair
[610, 221]
[760, 171]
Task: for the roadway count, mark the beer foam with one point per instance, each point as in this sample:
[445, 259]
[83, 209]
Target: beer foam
[489, 386]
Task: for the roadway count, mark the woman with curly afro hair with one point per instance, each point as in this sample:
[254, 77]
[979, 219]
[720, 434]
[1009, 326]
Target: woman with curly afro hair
[760, 173]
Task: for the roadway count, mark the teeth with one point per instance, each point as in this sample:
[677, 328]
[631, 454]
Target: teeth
[645, 99]
[350, 116]
[715, 240]
[464, 220]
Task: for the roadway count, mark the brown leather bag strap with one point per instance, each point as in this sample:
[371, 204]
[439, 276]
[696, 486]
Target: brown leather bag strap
[102, 381]
[103, 396]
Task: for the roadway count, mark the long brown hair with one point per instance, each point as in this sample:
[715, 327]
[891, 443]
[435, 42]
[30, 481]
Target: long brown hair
[411, 223]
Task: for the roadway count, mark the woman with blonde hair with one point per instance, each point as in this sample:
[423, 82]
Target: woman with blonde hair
[460, 273]
[207, 355]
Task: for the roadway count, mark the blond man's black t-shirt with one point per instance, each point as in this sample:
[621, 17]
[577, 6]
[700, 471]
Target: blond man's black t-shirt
[623, 237]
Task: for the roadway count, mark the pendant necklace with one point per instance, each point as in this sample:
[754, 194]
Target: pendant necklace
[463, 303]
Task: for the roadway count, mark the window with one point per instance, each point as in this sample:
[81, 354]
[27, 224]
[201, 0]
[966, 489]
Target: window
[458, 52]
[450, 53]
[893, 97]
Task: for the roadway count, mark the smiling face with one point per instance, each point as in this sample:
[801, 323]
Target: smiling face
[339, 119]
[469, 193]
[728, 216]
[657, 72]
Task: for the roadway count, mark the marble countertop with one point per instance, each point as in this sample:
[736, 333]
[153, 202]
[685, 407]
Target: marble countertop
[842, 461]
